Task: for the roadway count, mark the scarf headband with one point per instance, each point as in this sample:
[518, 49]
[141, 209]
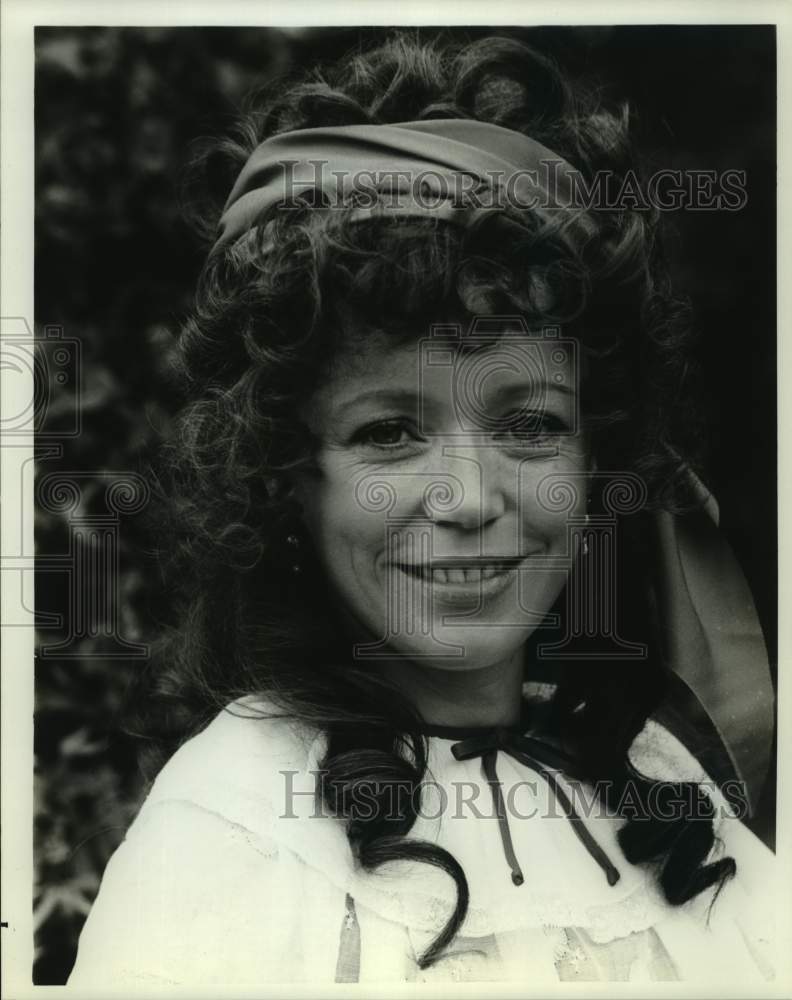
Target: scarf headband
[387, 158]
[711, 634]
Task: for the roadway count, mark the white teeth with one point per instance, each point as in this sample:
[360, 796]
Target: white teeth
[456, 575]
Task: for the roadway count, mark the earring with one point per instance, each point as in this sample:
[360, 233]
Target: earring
[587, 523]
[293, 542]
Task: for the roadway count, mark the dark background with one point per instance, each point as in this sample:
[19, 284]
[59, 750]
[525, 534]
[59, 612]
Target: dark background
[117, 112]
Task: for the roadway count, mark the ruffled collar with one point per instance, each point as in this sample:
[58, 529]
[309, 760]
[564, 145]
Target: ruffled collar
[259, 773]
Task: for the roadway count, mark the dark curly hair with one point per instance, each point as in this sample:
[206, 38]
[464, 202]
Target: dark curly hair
[269, 314]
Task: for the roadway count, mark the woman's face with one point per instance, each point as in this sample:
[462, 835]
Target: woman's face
[427, 505]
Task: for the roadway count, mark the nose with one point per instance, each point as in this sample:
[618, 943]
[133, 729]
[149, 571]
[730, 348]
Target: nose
[476, 494]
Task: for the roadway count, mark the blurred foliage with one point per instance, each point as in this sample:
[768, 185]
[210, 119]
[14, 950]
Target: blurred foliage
[117, 112]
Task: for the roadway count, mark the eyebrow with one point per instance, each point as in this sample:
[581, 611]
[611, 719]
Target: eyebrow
[410, 397]
[562, 387]
[397, 396]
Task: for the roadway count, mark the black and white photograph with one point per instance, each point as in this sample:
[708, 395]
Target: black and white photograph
[391, 564]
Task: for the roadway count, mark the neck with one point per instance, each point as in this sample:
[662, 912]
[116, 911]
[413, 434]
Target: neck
[484, 696]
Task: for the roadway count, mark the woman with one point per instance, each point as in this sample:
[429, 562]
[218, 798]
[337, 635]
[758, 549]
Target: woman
[424, 511]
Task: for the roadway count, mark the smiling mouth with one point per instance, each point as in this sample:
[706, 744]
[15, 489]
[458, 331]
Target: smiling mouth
[461, 571]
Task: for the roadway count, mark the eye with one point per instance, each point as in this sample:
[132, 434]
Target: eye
[386, 434]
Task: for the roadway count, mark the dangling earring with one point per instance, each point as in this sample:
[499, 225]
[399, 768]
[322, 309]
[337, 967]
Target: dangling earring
[293, 542]
[587, 522]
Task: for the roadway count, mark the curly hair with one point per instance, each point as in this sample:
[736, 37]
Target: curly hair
[270, 312]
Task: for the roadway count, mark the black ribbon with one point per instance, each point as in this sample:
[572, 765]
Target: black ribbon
[545, 760]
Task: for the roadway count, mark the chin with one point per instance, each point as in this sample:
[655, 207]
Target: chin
[459, 648]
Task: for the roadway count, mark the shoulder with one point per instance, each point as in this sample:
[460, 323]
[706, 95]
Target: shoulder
[660, 755]
[192, 886]
[739, 918]
[191, 897]
[239, 765]
[255, 771]
[245, 735]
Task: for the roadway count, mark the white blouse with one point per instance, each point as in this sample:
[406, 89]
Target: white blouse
[231, 875]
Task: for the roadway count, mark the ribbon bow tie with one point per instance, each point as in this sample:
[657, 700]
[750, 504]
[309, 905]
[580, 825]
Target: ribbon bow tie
[544, 760]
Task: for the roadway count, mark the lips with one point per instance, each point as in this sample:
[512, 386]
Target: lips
[459, 574]
[474, 575]
[463, 583]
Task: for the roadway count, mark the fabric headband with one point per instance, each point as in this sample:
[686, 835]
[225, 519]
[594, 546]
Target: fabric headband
[438, 153]
[711, 633]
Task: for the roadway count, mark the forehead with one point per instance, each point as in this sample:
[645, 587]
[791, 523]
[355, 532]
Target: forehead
[447, 355]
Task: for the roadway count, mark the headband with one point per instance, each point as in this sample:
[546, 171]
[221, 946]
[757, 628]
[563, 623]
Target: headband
[710, 630]
[444, 155]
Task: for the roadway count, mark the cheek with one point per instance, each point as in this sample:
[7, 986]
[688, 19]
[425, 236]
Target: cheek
[551, 495]
[541, 531]
[343, 533]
